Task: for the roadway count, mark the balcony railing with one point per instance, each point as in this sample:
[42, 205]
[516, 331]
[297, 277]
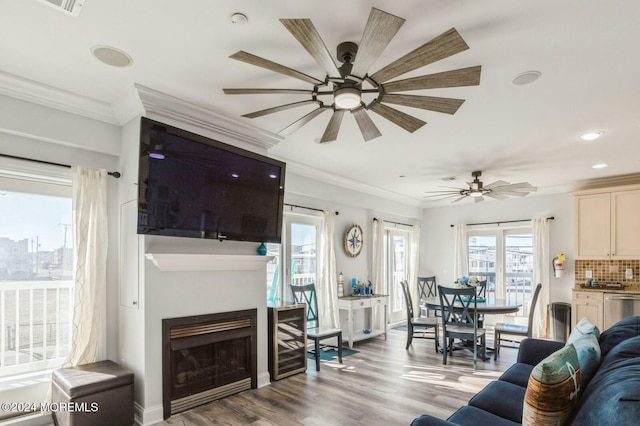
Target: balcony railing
[35, 324]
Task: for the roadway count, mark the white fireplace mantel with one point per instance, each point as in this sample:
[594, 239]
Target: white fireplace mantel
[176, 262]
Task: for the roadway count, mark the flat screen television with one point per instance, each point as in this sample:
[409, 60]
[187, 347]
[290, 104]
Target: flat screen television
[193, 186]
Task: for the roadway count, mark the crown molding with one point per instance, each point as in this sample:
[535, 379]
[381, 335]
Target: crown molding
[137, 100]
[343, 182]
[41, 94]
[154, 104]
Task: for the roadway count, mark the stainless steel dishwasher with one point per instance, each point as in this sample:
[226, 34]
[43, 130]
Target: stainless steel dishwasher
[618, 306]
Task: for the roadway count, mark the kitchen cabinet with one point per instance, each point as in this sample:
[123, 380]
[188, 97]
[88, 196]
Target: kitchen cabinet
[287, 335]
[589, 304]
[607, 224]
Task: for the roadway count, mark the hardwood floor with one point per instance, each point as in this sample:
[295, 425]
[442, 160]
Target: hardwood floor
[381, 385]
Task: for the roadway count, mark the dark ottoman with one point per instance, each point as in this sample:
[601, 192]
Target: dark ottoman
[94, 394]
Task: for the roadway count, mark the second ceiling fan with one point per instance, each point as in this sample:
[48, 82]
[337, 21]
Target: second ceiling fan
[499, 190]
[347, 83]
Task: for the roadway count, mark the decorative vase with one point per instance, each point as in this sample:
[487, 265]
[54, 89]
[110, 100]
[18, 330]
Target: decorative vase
[262, 249]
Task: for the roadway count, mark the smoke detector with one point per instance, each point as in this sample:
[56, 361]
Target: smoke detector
[71, 7]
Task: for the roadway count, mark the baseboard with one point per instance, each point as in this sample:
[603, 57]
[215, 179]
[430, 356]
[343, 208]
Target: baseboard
[147, 416]
[264, 379]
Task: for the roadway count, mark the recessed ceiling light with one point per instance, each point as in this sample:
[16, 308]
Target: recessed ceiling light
[111, 56]
[526, 77]
[599, 166]
[591, 136]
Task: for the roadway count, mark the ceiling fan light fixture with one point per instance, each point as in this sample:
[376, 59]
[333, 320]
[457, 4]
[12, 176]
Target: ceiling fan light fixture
[347, 98]
[476, 193]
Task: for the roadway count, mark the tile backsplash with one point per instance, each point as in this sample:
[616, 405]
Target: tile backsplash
[606, 271]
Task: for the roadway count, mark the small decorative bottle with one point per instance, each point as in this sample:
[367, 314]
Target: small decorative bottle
[340, 285]
[262, 249]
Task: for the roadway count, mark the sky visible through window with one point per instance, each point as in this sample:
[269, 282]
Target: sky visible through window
[33, 216]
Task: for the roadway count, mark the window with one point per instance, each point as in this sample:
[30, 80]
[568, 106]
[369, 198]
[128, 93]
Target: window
[504, 257]
[36, 274]
[295, 259]
[397, 245]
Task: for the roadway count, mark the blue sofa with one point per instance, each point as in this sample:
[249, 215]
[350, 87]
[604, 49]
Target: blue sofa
[611, 397]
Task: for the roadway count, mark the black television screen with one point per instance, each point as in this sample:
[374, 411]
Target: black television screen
[193, 186]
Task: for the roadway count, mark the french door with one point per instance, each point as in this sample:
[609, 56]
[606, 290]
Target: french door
[397, 248]
[504, 257]
[295, 260]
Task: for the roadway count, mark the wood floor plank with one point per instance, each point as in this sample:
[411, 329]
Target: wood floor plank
[382, 384]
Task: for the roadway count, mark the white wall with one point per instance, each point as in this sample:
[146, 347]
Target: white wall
[436, 256]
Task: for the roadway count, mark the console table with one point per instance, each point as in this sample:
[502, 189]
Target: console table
[353, 303]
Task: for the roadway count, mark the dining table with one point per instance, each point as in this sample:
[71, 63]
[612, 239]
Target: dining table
[490, 306]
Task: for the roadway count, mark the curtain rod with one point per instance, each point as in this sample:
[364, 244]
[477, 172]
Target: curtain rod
[395, 223]
[308, 208]
[15, 157]
[504, 221]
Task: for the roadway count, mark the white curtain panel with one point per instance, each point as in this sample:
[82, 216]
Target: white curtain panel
[414, 265]
[327, 288]
[461, 251]
[90, 265]
[379, 272]
[540, 230]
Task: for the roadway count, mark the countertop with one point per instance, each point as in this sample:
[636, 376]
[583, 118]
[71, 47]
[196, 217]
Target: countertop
[630, 290]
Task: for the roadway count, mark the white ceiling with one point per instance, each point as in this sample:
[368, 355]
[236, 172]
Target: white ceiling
[586, 50]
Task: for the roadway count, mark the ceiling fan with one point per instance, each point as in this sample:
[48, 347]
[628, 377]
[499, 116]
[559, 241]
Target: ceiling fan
[500, 190]
[348, 83]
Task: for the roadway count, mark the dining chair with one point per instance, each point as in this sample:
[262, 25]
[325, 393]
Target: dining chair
[421, 323]
[306, 294]
[481, 293]
[460, 320]
[427, 287]
[516, 329]
[481, 289]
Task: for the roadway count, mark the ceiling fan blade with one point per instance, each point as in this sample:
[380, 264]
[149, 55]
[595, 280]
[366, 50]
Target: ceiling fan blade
[496, 195]
[331, 132]
[446, 44]
[367, 127]
[406, 121]
[514, 194]
[431, 103]
[438, 197]
[305, 32]
[458, 199]
[278, 108]
[302, 121]
[456, 78]
[379, 31]
[496, 184]
[266, 91]
[518, 187]
[438, 193]
[478, 199]
[272, 66]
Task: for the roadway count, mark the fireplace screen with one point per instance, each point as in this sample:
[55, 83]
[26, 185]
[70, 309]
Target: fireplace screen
[200, 368]
[207, 357]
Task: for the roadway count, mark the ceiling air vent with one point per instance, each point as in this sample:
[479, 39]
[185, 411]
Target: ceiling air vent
[72, 7]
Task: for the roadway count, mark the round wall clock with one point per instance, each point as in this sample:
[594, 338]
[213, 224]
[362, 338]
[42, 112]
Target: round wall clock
[353, 240]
